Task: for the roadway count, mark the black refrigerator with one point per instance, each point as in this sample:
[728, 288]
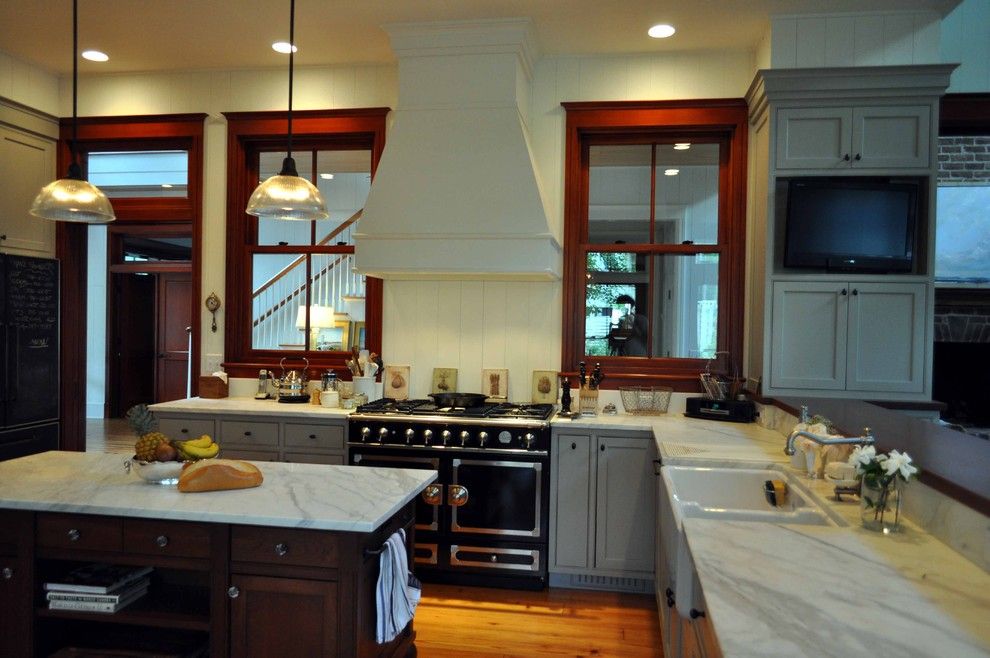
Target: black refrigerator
[29, 351]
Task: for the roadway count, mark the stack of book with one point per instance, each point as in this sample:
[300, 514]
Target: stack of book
[98, 587]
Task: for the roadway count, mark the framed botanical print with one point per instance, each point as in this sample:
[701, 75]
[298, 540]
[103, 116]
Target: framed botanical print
[495, 383]
[395, 382]
[545, 386]
[444, 380]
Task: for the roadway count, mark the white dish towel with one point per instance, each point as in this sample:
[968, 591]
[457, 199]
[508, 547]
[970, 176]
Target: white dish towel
[398, 590]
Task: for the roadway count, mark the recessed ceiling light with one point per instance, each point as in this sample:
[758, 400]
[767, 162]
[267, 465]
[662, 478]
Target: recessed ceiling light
[326, 176]
[671, 172]
[95, 55]
[661, 31]
[283, 47]
[682, 146]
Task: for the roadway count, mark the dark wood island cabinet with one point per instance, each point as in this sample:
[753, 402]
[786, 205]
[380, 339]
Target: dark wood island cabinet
[218, 587]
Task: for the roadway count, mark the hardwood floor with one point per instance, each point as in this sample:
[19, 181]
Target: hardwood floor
[480, 622]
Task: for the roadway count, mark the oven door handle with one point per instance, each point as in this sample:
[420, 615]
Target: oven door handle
[456, 495]
[433, 494]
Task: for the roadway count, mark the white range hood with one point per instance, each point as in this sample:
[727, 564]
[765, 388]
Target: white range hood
[456, 193]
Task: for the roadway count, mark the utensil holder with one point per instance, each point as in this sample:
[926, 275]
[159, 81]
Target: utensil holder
[588, 401]
[367, 386]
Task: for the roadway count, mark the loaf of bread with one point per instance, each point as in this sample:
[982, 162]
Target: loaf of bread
[219, 474]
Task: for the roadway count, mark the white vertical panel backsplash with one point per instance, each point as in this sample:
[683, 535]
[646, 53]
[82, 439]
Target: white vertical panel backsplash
[470, 325]
[840, 37]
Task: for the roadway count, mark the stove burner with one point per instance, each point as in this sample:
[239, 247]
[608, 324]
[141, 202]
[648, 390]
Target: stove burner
[388, 406]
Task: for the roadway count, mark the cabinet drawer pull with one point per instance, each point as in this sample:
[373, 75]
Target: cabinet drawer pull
[573, 446]
[858, 157]
[7, 573]
[843, 292]
[161, 541]
[73, 534]
[281, 549]
[233, 592]
[855, 292]
[312, 436]
[845, 157]
[602, 448]
[248, 433]
[184, 430]
[696, 613]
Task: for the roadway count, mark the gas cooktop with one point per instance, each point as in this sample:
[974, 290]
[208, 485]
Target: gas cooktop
[491, 410]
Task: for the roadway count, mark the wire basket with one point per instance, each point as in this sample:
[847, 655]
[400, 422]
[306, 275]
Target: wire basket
[645, 400]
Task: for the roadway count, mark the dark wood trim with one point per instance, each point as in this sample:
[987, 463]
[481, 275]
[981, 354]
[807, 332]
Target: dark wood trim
[612, 122]
[964, 114]
[247, 131]
[71, 249]
[117, 133]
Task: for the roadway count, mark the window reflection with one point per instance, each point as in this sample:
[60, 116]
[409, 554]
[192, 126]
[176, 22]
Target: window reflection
[651, 305]
[140, 174]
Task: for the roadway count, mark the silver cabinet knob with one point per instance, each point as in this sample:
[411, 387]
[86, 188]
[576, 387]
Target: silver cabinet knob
[233, 592]
[73, 534]
[281, 549]
[161, 541]
[7, 573]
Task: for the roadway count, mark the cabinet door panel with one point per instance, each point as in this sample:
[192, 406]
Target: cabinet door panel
[886, 349]
[891, 136]
[266, 607]
[27, 163]
[813, 138]
[626, 504]
[571, 467]
[808, 335]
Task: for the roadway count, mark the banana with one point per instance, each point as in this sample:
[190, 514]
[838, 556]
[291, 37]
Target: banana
[202, 442]
[197, 452]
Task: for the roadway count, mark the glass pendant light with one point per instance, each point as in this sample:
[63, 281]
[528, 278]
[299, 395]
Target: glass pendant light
[286, 195]
[73, 199]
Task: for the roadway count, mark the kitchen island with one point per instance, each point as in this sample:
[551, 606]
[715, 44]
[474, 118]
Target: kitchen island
[287, 568]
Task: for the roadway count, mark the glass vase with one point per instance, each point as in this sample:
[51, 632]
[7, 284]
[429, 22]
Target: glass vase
[880, 505]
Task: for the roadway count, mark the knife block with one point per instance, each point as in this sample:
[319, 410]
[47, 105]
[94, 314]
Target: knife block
[588, 401]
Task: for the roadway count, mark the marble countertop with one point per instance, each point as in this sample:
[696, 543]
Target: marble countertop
[348, 498]
[249, 407]
[792, 590]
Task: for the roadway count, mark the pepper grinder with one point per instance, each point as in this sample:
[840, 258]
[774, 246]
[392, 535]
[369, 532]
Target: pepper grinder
[565, 394]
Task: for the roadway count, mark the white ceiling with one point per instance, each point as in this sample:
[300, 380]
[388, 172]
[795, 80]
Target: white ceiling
[147, 35]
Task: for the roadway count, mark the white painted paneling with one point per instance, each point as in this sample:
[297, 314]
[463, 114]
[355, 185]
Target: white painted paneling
[854, 39]
[810, 37]
[965, 38]
[471, 325]
[28, 85]
[839, 40]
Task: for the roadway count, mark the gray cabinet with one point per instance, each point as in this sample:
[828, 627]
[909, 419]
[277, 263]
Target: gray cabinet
[603, 503]
[263, 438]
[854, 137]
[27, 163]
[848, 336]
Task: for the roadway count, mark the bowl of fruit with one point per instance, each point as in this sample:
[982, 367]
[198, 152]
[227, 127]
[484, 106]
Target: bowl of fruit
[158, 459]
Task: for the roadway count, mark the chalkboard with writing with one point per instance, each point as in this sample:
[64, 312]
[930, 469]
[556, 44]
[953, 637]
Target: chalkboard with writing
[32, 292]
[29, 311]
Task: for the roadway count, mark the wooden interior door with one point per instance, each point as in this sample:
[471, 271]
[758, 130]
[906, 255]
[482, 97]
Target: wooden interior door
[132, 342]
[174, 302]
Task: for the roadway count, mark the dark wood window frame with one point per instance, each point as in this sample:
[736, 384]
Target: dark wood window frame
[625, 122]
[164, 131]
[248, 132]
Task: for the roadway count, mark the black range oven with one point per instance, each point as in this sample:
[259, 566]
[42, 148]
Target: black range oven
[485, 519]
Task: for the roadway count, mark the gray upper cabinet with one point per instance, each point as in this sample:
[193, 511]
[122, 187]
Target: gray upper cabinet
[27, 163]
[603, 503]
[841, 138]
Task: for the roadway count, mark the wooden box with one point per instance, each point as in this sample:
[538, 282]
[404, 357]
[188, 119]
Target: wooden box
[212, 387]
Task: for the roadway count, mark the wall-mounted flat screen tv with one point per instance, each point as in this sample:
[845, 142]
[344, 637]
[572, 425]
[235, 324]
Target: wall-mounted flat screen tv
[844, 224]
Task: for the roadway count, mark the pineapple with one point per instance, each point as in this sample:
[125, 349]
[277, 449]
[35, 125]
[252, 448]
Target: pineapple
[144, 424]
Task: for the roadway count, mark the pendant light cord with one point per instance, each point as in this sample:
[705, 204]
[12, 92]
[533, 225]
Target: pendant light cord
[75, 171]
[292, 48]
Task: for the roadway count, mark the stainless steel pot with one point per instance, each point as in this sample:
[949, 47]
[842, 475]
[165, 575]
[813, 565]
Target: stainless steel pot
[291, 384]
